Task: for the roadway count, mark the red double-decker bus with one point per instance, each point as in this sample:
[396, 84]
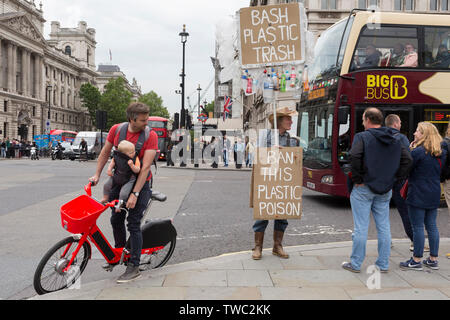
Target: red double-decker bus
[66, 135]
[397, 62]
[159, 125]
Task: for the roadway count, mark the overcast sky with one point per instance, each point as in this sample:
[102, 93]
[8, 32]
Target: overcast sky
[143, 36]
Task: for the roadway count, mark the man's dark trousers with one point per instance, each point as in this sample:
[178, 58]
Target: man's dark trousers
[402, 208]
[134, 222]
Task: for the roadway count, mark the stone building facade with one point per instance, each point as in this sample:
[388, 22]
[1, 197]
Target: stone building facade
[107, 72]
[40, 77]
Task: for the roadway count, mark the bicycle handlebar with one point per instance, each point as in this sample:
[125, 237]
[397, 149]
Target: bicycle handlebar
[88, 189]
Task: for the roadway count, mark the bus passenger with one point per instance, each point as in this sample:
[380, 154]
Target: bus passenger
[442, 58]
[411, 56]
[398, 55]
[372, 57]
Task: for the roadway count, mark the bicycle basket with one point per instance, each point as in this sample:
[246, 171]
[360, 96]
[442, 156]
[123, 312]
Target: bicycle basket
[80, 213]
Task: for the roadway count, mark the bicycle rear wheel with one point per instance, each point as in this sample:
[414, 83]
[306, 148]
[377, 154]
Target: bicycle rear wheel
[158, 258]
[49, 275]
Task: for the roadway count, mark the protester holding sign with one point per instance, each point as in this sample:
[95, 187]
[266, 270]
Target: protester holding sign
[284, 122]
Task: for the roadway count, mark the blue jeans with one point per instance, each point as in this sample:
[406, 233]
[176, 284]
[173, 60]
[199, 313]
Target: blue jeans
[419, 217]
[261, 225]
[225, 157]
[363, 201]
[134, 222]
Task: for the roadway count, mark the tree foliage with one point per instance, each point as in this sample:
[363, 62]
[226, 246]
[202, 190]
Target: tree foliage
[155, 104]
[115, 100]
[90, 98]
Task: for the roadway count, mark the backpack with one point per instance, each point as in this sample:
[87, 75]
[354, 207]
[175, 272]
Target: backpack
[122, 130]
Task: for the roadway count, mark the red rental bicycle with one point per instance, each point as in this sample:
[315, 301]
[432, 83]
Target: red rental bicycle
[64, 263]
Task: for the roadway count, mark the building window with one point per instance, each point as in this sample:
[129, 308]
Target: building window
[5, 129]
[5, 106]
[56, 117]
[364, 4]
[328, 4]
[444, 5]
[68, 50]
[34, 111]
[404, 5]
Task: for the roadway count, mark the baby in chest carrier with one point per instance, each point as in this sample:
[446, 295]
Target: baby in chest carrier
[123, 171]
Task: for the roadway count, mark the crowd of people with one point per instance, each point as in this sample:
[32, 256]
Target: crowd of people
[385, 165]
[15, 148]
[241, 150]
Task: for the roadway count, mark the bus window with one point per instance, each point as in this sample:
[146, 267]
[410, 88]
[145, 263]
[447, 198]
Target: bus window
[386, 47]
[437, 42]
[316, 135]
[326, 51]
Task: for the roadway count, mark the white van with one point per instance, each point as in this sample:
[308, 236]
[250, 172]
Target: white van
[93, 142]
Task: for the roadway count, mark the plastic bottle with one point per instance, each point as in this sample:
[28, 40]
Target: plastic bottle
[283, 83]
[244, 83]
[268, 88]
[249, 85]
[305, 79]
[293, 78]
[275, 80]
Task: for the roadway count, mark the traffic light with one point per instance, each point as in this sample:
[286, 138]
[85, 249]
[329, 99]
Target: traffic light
[188, 121]
[176, 121]
[102, 118]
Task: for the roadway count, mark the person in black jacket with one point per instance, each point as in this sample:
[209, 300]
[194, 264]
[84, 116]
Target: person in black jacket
[394, 122]
[377, 161]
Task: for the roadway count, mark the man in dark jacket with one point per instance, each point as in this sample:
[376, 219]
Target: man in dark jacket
[377, 160]
[394, 122]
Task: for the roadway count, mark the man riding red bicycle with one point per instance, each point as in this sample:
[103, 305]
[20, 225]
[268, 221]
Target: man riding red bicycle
[146, 142]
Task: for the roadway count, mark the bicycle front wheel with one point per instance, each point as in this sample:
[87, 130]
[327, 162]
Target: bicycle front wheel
[49, 275]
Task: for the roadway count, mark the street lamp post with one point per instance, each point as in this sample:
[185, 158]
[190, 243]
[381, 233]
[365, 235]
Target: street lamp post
[199, 89]
[49, 90]
[183, 36]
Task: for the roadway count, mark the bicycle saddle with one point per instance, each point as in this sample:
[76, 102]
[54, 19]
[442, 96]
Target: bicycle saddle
[158, 196]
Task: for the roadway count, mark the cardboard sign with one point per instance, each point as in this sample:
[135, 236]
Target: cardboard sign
[276, 185]
[270, 35]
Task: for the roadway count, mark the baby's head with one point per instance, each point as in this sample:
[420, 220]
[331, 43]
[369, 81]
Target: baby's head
[127, 148]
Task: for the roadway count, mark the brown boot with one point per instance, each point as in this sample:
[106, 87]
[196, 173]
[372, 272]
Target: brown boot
[277, 245]
[257, 251]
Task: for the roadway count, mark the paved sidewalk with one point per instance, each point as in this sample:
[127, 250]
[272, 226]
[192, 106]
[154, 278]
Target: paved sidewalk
[311, 272]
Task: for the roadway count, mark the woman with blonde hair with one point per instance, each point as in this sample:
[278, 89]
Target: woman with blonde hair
[424, 194]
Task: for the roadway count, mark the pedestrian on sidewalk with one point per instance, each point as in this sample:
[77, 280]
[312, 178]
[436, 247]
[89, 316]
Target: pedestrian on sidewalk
[377, 161]
[394, 122]
[250, 149]
[137, 132]
[284, 121]
[3, 149]
[445, 177]
[240, 153]
[424, 194]
[226, 150]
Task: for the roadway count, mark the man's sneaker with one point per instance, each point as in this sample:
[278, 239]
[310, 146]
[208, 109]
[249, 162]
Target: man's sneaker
[431, 264]
[348, 266]
[411, 265]
[448, 255]
[131, 273]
